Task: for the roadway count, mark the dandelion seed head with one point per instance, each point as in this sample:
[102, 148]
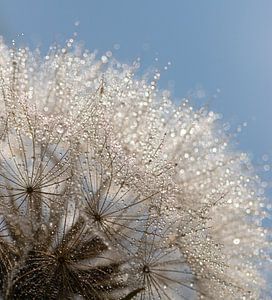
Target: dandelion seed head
[110, 191]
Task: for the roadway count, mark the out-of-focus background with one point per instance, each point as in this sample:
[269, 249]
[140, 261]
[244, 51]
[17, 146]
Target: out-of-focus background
[220, 51]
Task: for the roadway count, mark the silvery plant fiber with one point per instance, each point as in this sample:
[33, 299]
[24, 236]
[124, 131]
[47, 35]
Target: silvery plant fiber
[108, 190]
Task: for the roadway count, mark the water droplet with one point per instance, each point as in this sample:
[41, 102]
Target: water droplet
[104, 59]
[236, 241]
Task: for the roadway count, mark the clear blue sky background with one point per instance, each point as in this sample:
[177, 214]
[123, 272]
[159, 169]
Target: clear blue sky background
[212, 44]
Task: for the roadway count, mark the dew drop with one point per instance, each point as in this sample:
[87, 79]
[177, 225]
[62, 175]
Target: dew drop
[104, 59]
[236, 241]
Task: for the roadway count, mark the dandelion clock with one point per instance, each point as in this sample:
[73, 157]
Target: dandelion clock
[109, 190]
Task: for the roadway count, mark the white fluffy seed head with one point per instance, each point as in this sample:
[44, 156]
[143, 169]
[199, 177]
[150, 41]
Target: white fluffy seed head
[132, 195]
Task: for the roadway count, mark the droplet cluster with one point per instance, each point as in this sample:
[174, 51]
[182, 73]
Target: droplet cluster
[108, 190]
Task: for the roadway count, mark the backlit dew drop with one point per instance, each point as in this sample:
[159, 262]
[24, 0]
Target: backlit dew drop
[104, 59]
[236, 241]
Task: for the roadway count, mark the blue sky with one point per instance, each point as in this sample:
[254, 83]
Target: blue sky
[213, 45]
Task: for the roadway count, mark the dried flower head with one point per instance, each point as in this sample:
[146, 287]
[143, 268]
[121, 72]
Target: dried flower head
[108, 190]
